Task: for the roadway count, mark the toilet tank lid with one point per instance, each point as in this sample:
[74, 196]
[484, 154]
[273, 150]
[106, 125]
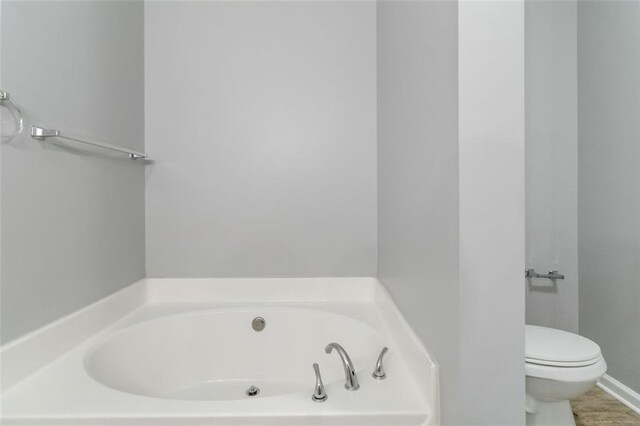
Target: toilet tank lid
[550, 344]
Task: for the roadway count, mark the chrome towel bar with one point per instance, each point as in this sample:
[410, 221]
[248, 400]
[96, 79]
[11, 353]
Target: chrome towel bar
[552, 275]
[41, 134]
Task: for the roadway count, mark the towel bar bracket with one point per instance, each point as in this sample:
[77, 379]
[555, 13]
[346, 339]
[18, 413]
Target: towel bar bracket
[41, 134]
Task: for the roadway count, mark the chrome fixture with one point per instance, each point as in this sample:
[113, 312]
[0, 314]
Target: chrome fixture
[378, 372]
[41, 134]
[552, 275]
[258, 323]
[319, 395]
[11, 123]
[252, 391]
[349, 372]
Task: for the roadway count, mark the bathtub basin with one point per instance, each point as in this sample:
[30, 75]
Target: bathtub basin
[216, 355]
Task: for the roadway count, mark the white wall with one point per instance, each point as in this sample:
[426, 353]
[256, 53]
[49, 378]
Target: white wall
[261, 117]
[552, 162]
[609, 182]
[418, 176]
[72, 217]
[491, 132]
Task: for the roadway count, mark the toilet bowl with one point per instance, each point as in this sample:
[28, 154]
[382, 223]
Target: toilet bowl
[559, 366]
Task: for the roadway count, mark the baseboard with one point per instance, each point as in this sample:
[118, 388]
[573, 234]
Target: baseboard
[621, 392]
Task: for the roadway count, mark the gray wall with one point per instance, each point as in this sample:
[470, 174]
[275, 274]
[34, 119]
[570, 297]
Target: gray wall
[451, 194]
[72, 218]
[261, 117]
[418, 176]
[552, 162]
[491, 149]
[609, 182]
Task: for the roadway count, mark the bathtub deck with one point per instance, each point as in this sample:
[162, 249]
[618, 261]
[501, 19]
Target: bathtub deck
[63, 393]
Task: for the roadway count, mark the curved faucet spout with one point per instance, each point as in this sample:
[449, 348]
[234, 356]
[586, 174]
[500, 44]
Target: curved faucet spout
[351, 380]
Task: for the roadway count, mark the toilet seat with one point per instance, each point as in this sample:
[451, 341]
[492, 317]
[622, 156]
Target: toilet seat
[549, 346]
[585, 363]
[567, 374]
[560, 355]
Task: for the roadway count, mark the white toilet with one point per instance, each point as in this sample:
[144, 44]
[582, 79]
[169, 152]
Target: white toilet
[559, 366]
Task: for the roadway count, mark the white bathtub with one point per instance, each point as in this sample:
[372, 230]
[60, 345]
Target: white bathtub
[184, 352]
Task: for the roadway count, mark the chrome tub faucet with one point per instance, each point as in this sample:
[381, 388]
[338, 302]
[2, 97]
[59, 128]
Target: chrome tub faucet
[351, 380]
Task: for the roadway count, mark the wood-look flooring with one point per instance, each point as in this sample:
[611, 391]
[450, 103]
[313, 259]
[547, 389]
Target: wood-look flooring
[598, 408]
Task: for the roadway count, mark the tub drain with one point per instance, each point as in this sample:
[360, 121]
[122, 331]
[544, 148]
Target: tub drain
[258, 323]
[252, 391]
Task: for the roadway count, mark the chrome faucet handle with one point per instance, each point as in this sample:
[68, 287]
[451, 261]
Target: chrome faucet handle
[378, 372]
[351, 379]
[319, 395]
